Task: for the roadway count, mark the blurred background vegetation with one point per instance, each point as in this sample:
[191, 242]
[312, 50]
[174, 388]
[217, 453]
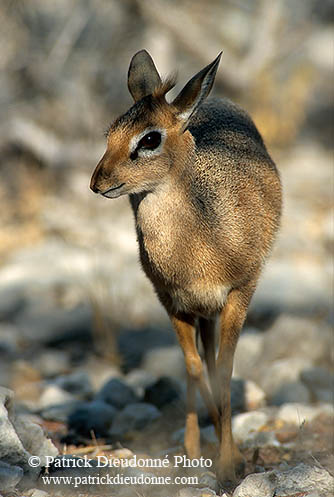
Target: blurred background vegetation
[63, 68]
[76, 309]
[63, 77]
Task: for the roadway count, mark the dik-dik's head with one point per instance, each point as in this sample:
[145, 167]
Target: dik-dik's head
[145, 142]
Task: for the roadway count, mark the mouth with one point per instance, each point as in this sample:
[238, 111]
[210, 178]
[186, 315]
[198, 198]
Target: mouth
[113, 192]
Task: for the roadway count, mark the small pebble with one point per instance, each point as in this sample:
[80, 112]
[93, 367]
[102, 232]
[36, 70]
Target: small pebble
[294, 391]
[165, 361]
[257, 485]
[286, 434]
[10, 476]
[295, 413]
[60, 412]
[254, 396]
[77, 383]
[36, 493]
[246, 423]
[133, 417]
[52, 362]
[122, 453]
[139, 380]
[96, 416]
[164, 391]
[209, 480]
[117, 393]
[196, 492]
[54, 395]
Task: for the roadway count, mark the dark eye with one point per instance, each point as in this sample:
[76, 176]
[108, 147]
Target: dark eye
[150, 141]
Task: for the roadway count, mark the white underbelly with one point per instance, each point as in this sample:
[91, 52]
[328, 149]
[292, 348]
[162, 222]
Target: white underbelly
[207, 299]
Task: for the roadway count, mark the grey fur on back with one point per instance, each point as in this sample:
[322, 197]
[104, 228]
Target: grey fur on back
[221, 127]
[235, 184]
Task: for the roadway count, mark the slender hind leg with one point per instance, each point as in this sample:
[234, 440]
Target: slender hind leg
[207, 333]
[185, 330]
[232, 318]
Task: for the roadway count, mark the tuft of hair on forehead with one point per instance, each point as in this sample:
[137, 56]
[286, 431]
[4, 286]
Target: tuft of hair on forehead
[145, 106]
[166, 85]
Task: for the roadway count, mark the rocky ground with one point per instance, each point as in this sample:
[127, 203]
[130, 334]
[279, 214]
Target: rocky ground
[93, 368]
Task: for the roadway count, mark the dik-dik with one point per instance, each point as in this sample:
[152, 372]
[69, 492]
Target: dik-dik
[206, 198]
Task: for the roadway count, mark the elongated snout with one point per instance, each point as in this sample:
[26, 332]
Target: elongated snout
[104, 182]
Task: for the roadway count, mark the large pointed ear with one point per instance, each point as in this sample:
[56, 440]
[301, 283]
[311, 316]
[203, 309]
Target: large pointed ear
[143, 77]
[196, 90]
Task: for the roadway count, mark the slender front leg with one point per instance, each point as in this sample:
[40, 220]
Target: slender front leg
[232, 319]
[185, 330]
[192, 433]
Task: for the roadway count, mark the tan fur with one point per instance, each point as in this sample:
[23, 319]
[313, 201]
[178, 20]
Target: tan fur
[207, 208]
[165, 86]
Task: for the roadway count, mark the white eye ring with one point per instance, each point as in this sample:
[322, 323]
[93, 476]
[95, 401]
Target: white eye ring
[146, 152]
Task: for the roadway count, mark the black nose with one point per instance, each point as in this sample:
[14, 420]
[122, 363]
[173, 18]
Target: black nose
[93, 182]
[98, 175]
[94, 188]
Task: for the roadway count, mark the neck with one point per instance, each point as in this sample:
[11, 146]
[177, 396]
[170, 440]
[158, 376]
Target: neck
[177, 182]
[184, 155]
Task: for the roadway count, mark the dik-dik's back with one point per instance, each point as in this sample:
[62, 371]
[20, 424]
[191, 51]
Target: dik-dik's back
[205, 193]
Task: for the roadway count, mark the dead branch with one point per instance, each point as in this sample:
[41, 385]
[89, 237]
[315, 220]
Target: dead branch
[203, 45]
[46, 146]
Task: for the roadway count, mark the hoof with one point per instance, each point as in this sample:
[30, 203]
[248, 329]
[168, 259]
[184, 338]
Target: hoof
[240, 469]
[229, 472]
[226, 475]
